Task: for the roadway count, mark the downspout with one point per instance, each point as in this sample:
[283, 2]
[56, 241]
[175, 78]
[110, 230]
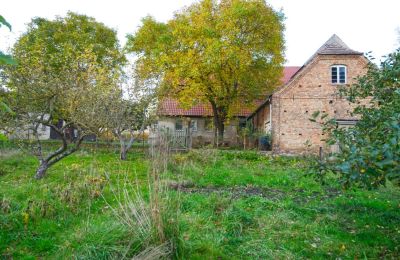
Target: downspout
[270, 115]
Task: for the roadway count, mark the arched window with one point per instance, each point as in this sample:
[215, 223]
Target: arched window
[338, 74]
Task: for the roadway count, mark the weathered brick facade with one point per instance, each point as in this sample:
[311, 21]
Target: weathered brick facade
[310, 90]
[287, 111]
[170, 111]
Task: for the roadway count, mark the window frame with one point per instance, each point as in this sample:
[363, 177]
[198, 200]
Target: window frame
[181, 123]
[338, 66]
[193, 125]
[242, 123]
[210, 123]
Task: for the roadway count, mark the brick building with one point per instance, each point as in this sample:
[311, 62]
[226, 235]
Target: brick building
[199, 118]
[314, 87]
[285, 113]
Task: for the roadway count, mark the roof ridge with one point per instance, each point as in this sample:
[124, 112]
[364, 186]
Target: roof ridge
[335, 45]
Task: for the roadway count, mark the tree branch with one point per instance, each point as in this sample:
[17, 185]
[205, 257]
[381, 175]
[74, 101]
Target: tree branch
[64, 146]
[66, 153]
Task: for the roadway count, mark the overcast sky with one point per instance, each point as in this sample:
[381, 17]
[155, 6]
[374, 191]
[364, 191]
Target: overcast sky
[367, 25]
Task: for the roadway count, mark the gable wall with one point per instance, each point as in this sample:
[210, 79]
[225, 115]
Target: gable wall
[311, 91]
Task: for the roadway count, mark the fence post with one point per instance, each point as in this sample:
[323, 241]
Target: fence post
[189, 136]
[217, 138]
[320, 153]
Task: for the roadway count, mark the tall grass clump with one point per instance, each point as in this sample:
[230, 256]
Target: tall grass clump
[151, 215]
[132, 209]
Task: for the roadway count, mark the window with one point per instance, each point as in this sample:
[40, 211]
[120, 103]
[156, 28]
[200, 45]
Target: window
[193, 125]
[346, 123]
[208, 124]
[338, 74]
[178, 125]
[75, 133]
[242, 122]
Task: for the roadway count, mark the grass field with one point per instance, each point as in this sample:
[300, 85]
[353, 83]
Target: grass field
[220, 205]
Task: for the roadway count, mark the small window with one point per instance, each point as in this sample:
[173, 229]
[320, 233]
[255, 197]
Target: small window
[208, 124]
[242, 122]
[178, 125]
[338, 74]
[193, 125]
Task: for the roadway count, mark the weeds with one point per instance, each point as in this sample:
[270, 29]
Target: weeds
[154, 252]
[152, 222]
[5, 206]
[210, 205]
[3, 172]
[243, 155]
[133, 212]
[164, 207]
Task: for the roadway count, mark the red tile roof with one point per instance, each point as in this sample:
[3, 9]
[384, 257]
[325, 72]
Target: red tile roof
[288, 73]
[171, 107]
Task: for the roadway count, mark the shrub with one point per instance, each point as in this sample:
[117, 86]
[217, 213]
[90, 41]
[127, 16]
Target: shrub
[3, 138]
[243, 155]
[370, 152]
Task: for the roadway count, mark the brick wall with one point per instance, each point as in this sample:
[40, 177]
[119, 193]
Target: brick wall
[311, 90]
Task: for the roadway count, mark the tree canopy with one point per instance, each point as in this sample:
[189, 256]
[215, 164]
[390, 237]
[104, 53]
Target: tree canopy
[126, 115]
[226, 53]
[5, 60]
[66, 68]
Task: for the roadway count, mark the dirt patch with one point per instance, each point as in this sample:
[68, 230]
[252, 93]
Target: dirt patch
[235, 192]
[298, 196]
[303, 198]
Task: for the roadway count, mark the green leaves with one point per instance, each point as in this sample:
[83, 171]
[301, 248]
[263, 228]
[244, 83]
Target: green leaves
[66, 66]
[4, 107]
[4, 58]
[314, 116]
[222, 52]
[4, 22]
[370, 151]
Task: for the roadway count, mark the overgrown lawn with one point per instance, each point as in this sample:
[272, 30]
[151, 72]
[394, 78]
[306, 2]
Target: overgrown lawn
[230, 205]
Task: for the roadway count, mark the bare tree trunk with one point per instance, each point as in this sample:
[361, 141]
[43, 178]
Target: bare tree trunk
[221, 128]
[57, 155]
[123, 152]
[41, 171]
[215, 143]
[124, 146]
[219, 118]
